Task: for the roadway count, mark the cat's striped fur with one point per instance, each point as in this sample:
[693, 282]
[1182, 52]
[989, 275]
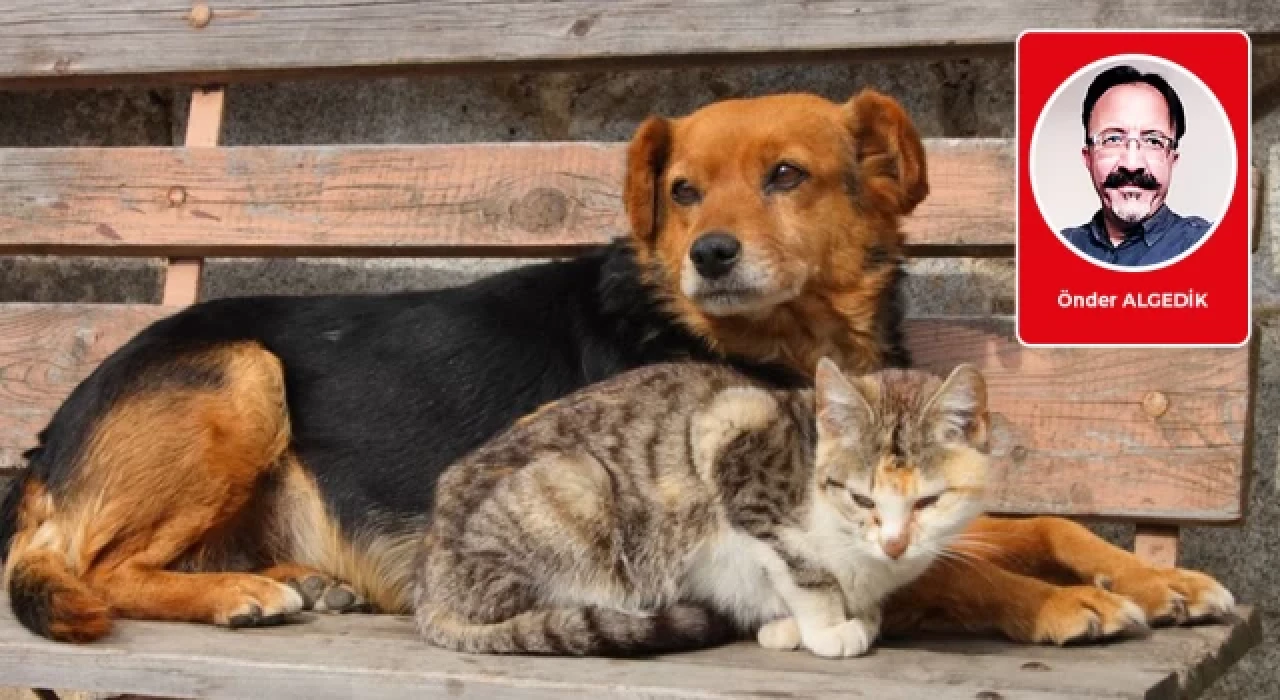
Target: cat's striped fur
[680, 505]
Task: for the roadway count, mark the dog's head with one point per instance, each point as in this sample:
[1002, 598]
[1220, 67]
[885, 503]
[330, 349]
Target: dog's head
[749, 206]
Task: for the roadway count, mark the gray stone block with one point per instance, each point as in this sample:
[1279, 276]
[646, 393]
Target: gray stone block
[132, 117]
[58, 279]
[230, 277]
[945, 99]
[1244, 558]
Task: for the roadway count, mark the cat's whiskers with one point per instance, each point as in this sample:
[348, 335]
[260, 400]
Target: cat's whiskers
[975, 542]
[951, 557]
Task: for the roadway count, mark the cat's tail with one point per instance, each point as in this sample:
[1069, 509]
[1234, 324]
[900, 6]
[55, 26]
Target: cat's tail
[587, 631]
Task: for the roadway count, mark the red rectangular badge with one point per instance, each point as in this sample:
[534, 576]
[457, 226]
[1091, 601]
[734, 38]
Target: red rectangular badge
[1133, 171]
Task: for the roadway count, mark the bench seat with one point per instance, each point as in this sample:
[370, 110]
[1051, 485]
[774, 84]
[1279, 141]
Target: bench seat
[380, 656]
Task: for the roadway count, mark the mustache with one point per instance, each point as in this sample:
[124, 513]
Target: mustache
[1131, 178]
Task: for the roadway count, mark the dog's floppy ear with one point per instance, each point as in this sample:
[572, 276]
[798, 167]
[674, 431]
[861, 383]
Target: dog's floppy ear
[646, 160]
[889, 153]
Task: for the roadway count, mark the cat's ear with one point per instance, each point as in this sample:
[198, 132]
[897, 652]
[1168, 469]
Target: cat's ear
[957, 414]
[842, 409]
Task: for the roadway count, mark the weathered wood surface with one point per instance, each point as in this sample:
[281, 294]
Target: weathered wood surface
[56, 40]
[1071, 435]
[359, 656]
[1157, 544]
[402, 200]
[204, 125]
[45, 350]
[1070, 432]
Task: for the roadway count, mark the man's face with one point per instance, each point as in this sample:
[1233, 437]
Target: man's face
[1131, 175]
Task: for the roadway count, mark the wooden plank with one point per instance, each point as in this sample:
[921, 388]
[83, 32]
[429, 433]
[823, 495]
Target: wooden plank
[1158, 544]
[381, 657]
[204, 123]
[1071, 436]
[474, 199]
[394, 201]
[1196, 656]
[204, 118]
[45, 350]
[182, 281]
[58, 40]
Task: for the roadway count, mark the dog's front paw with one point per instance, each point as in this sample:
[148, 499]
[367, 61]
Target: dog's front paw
[323, 593]
[252, 601]
[1173, 596]
[849, 638]
[782, 634]
[1085, 613]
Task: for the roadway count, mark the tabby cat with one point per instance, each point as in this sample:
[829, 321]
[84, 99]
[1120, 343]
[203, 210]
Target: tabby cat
[682, 505]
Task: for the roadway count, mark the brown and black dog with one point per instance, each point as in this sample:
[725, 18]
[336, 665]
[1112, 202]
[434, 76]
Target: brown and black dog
[247, 458]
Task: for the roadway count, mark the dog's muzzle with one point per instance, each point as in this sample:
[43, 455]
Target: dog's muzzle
[714, 254]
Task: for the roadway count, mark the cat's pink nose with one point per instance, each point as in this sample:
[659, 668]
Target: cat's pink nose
[895, 546]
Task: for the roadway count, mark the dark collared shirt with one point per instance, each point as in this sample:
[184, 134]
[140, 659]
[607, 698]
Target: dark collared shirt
[1162, 236]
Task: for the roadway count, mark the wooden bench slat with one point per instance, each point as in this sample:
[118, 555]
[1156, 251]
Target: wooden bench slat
[519, 199]
[394, 201]
[1071, 436]
[56, 41]
[380, 657]
[1070, 433]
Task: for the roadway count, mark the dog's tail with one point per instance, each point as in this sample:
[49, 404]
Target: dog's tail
[586, 631]
[46, 595]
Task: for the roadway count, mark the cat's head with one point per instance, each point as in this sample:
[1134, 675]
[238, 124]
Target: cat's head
[902, 456]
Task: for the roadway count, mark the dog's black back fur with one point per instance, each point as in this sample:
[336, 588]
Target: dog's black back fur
[385, 391]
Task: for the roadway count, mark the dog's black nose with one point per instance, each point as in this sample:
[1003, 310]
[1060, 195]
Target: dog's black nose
[714, 254]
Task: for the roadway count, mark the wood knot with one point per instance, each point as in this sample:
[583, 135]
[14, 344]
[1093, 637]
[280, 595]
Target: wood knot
[62, 66]
[1034, 666]
[541, 209]
[1155, 404]
[988, 695]
[177, 195]
[200, 16]
[1081, 495]
[1019, 454]
[581, 27]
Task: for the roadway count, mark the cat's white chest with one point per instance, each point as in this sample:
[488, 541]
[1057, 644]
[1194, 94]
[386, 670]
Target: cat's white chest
[866, 577]
[866, 581]
[728, 573]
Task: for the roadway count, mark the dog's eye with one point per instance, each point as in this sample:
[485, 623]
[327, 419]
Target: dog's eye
[785, 177]
[863, 501]
[684, 193]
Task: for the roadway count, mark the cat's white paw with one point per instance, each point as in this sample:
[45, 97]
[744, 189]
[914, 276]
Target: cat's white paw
[849, 638]
[782, 634]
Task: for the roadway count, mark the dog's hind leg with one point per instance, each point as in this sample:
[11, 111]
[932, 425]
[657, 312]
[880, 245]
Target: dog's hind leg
[166, 473]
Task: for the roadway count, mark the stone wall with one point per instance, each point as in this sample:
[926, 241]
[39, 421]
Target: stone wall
[956, 98]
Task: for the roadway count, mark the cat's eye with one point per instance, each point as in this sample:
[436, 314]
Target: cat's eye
[784, 177]
[863, 501]
[927, 501]
[684, 193]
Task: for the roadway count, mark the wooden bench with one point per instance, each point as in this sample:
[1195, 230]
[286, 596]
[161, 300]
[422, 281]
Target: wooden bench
[1158, 438]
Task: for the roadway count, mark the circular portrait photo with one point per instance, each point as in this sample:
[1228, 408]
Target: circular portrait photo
[1133, 163]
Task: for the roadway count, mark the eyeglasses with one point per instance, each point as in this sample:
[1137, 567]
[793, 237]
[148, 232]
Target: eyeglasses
[1115, 141]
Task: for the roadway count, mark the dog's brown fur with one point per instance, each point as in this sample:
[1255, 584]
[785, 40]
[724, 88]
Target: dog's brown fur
[186, 500]
[836, 241]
